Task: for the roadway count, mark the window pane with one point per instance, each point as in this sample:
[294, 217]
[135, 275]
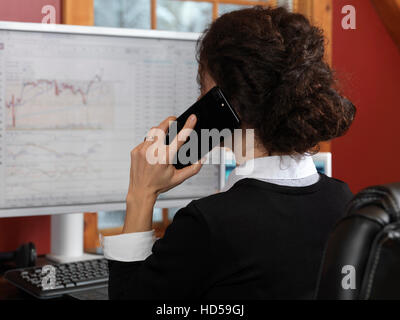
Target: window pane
[183, 15]
[110, 219]
[286, 3]
[224, 8]
[122, 13]
[115, 219]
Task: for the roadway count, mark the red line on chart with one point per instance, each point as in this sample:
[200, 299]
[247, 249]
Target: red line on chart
[59, 87]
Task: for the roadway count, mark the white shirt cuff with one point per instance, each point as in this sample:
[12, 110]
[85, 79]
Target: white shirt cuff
[128, 247]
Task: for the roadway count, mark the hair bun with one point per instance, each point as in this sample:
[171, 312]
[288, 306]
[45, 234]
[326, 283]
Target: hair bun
[270, 64]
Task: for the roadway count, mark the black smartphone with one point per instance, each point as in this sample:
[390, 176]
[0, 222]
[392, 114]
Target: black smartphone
[213, 111]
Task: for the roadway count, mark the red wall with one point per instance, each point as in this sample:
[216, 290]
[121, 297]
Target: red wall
[27, 10]
[16, 231]
[369, 63]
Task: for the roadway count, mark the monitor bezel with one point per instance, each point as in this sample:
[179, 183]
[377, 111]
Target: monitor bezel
[96, 31]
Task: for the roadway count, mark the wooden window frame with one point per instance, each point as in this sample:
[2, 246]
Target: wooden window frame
[389, 12]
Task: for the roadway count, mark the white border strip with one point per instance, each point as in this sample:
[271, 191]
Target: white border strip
[101, 31]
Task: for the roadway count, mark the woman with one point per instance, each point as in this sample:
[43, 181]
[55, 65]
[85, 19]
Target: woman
[263, 237]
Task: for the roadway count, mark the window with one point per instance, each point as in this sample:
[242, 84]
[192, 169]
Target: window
[122, 13]
[176, 15]
[187, 16]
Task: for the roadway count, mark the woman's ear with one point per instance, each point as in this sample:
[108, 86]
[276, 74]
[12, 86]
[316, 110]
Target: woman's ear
[207, 82]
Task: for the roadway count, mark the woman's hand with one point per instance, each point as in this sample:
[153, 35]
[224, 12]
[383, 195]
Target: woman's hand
[149, 179]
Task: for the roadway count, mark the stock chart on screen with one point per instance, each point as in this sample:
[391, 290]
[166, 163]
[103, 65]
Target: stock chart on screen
[74, 105]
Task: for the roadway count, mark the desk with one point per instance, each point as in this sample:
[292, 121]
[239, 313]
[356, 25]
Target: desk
[9, 292]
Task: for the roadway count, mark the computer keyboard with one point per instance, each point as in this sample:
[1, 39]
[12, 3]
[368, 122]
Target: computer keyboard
[67, 278]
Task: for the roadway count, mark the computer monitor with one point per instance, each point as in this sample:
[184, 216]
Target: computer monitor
[74, 101]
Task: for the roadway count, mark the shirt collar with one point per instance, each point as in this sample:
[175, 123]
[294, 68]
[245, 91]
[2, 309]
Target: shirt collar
[273, 168]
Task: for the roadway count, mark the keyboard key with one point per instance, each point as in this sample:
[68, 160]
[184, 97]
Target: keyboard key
[59, 286]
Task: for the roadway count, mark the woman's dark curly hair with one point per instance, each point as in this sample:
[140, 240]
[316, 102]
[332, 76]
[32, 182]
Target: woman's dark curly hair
[270, 65]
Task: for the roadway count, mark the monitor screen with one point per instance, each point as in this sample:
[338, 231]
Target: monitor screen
[72, 106]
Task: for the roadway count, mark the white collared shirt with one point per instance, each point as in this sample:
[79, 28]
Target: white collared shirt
[282, 170]
[296, 171]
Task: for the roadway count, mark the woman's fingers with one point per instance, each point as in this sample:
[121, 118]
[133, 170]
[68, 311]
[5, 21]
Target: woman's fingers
[187, 172]
[181, 137]
[157, 175]
[158, 132]
[151, 136]
[164, 125]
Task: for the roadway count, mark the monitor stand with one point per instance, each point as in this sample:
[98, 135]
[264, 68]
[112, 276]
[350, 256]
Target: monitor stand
[67, 239]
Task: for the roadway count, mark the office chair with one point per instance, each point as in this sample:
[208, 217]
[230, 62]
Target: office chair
[362, 257]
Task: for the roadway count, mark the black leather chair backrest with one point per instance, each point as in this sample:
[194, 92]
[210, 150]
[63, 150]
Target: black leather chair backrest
[362, 257]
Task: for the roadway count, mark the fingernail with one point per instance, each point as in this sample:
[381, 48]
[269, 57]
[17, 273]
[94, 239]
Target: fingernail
[192, 118]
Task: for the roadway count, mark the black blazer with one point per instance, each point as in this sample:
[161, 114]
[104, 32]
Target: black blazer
[255, 241]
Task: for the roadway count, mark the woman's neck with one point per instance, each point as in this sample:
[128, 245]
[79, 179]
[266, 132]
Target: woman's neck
[242, 155]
